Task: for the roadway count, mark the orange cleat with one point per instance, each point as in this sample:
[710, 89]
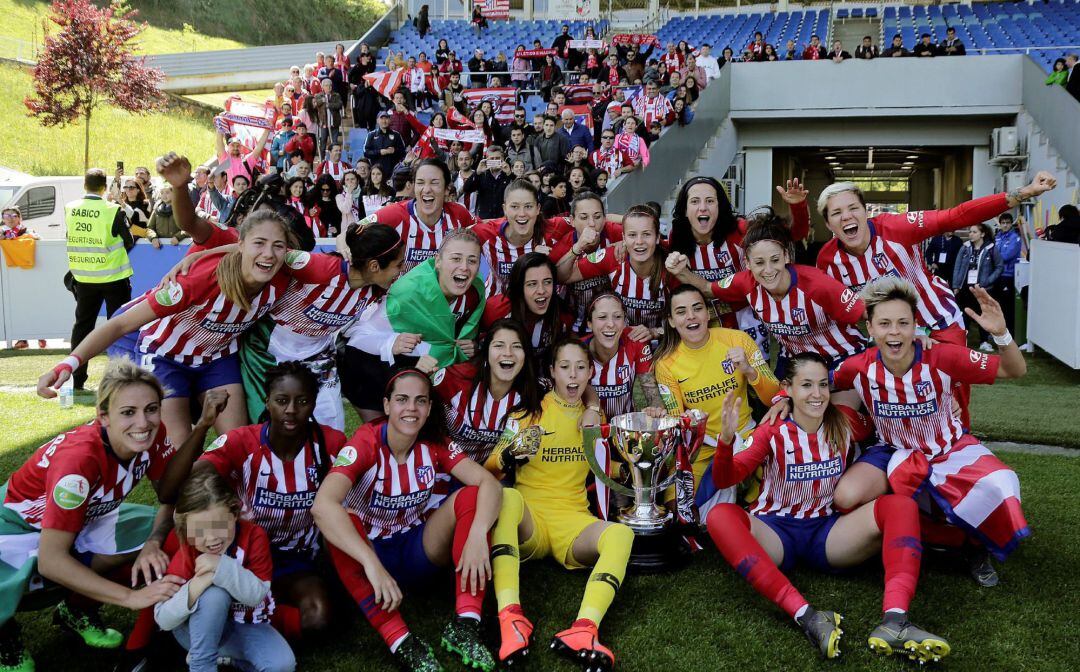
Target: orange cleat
[515, 631]
[581, 644]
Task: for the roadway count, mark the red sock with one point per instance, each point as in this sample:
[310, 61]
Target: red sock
[465, 510]
[901, 550]
[145, 626]
[390, 625]
[729, 527]
[937, 533]
[286, 620]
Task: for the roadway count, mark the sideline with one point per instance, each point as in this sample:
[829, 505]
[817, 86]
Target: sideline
[1030, 448]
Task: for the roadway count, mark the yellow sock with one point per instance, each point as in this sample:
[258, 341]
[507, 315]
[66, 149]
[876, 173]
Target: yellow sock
[505, 560]
[607, 575]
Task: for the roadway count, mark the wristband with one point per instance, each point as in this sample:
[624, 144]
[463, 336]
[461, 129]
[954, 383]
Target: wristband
[69, 364]
[1002, 341]
[778, 397]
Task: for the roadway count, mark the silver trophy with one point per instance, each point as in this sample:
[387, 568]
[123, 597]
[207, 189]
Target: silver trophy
[647, 448]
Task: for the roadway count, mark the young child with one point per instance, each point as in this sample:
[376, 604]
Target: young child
[222, 614]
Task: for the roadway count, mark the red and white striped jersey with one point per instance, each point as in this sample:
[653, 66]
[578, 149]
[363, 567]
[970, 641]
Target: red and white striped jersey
[252, 550]
[653, 109]
[580, 294]
[206, 207]
[610, 159]
[915, 410]
[497, 307]
[319, 302]
[895, 250]
[500, 253]
[474, 419]
[818, 314]
[219, 237]
[642, 304]
[336, 170]
[76, 478]
[388, 496]
[196, 324]
[422, 241]
[800, 470]
[613, 380]
[276, 494]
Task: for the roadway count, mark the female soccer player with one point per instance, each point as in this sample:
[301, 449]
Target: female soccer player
[430, 317]
[621, 362]
[276, 468]
[223, 607]
[531, 299]
[423, 221]
[64, 514]
[547, 513]
[697, 366]
[303, 326]
[794, 520]
[521, 231]
[640, 279]
[889, 245]
[706, 229]
[909, 392]
[586, 213]
[189, 330]
[373, 508]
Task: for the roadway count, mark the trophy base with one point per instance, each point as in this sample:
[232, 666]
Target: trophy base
[657, 552]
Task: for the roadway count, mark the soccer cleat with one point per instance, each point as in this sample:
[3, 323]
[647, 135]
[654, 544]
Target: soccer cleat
[88, 626]
[515, 631]
[580, 643]
[897, 634]
[13, 655]
[414, 655]
[823, 630]
[979, 565]
[462, 636]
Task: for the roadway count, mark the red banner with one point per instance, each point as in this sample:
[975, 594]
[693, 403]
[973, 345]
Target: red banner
[536, 53]
[635, 39]
[503, 100]
[494, 9]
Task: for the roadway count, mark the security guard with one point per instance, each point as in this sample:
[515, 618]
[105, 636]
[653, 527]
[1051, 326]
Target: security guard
[97, 246]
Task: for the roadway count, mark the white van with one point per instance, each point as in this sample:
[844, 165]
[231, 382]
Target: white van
[40, 199]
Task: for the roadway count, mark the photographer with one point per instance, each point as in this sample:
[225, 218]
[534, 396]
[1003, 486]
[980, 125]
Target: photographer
[490, 180]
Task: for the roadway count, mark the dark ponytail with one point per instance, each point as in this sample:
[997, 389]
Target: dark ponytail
[373, 242]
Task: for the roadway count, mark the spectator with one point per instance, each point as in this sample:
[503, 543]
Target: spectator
[941, 254]
[559, 44]
[708, 62]
[790, 52]
[896, 50]
[325, 109]
[416, 81]
[693, 91]
[518, 149]
[1059, 74]
[377, 190]
[12, 225]
[423, 22]
[302, 142]
[1067, 230]
[558, 202]
[478, 65]
[447, 69]
[611, 73]
[350, 201]
[519, 69]
[684, 113]
[1072, 83]
[479, 21]
[162, 224]
[608, 157]
[600, 179]
[332, 165]
[814, 51]
[674, 82]
[462, 172]
[952, 46]
[454, 93]
[978, 263]
[402, 120]
[838, 55]
[550, 146]
[328, 224]
[651, 105]
[757, 46]
[550, 77]
[384, 147]
[136, 207]
[1010, 245]
[867, 50]
[673, 59]
[142, 176]
[770, 54]
[199, 186]
[692, 69]
[633, 144]
[727, 56]
[366, 105]
[442, 52]
[925, 48]
[489, 182]
[520, 122]
[278, 156]
[578, 179]
[234, 160]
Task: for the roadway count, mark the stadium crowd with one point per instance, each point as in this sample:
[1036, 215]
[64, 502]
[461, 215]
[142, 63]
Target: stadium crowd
[474, 385]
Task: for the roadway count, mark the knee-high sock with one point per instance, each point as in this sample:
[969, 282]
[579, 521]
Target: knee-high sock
[729, 527]
[505, 558]
[608, 573]
[390, 625]
[939, 533]
[901, 550]
[465, 602]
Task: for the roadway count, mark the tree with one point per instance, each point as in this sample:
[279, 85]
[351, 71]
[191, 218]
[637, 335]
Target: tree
[89, 60]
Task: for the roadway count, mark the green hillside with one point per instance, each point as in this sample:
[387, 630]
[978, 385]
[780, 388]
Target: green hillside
[201, 25]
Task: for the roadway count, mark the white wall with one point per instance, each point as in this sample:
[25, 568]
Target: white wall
[1053, 307]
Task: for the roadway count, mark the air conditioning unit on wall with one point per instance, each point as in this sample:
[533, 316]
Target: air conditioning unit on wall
[1006, 145]
[1014, 180]
[734, 192]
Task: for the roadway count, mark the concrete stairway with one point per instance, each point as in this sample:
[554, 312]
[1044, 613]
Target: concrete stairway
[851, 31]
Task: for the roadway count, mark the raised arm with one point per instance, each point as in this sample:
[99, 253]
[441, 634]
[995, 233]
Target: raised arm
[990, 318]
[177, 172]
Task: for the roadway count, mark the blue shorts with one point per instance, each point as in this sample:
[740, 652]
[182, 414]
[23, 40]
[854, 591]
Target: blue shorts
[187, 382]
[877, 456]
[803, 539]
[291, 562]
[403, 556]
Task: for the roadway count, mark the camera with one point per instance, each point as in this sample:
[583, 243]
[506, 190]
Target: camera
[268, 192]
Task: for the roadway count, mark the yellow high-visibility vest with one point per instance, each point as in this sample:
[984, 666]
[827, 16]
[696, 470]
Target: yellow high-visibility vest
[95, 255]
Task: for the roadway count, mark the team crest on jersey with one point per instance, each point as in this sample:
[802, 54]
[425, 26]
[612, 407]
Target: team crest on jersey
[425, 475]
[724, 257]
[598, 256]
[799, 315]
[346, 457]
[312, 473]
[437, 378]
[297, 259]
[169, 295]
[881, 262]
[218, 442]
[71, 491]
[728, 366]
[923, 387]
[622, 372]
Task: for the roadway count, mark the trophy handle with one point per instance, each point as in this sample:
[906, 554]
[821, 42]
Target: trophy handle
[590, 434]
